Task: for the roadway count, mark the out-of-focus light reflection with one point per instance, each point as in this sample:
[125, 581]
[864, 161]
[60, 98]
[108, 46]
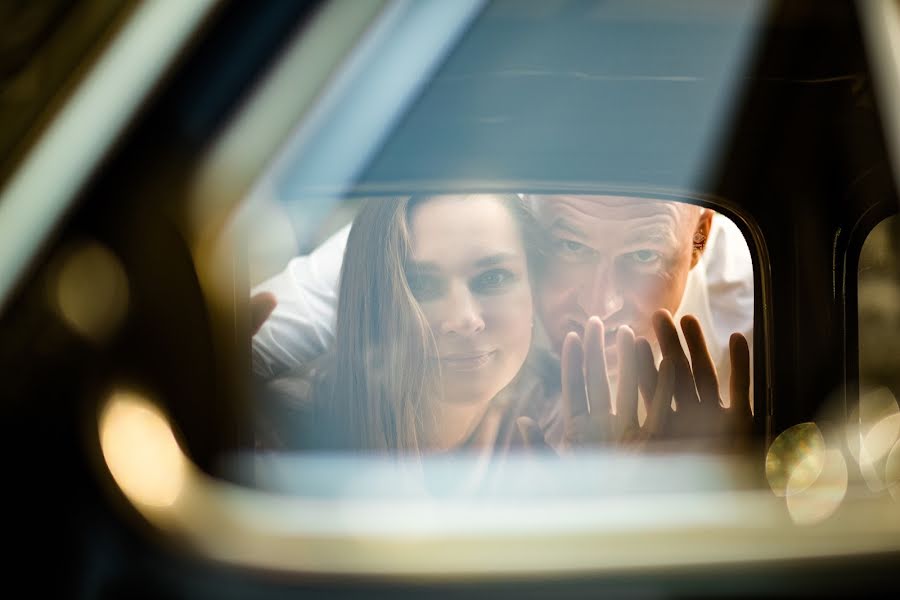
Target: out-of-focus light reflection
[796, 457]
[875, 446]
[873, 434]
[892, 472]
[879, 419]
[91, 291]
[813, 503]
[141, 451]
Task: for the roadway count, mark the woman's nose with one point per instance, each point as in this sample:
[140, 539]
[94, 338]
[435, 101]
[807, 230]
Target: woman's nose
[462, 315]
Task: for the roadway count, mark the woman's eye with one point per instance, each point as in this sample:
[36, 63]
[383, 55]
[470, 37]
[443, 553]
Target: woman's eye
[493, 279]
[643, 257]
[424, 287]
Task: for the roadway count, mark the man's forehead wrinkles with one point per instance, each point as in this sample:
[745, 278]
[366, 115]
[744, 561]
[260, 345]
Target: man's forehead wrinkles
[603, 208]
[564, 223]
[655, 231]
[658, 223]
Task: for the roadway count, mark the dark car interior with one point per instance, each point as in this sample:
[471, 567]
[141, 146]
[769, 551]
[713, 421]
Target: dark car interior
[802, 167]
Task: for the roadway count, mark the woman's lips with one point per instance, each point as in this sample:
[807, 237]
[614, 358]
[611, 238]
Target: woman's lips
[469, 361]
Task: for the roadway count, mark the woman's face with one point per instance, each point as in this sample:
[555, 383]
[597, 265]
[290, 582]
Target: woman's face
[469, 274]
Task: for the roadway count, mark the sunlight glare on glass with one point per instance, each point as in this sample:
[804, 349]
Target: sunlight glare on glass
[872, 431]
[892, 472]
[879, 424]
[91, 291]
[813, 503]
[272, 241]
[141, 451]
[797, 456]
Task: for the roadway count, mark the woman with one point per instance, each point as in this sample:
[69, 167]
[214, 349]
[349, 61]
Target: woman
[434, 326]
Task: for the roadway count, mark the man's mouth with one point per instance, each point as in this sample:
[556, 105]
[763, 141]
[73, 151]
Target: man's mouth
[609, 336]
[609, 339]
[576, 327]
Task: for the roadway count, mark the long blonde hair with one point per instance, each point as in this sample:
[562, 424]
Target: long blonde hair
[380, 386]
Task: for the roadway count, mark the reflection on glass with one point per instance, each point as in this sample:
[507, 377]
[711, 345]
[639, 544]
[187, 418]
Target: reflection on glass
[141, 451]
[879, 308]
[91, 291]
[812, 502]
[488, 322]
[875, 427]
[795, 459]
[892, 472]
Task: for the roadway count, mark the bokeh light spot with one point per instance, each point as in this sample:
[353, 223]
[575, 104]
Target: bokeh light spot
[815, 502]
[892, 472]
[141, 451]
[91, 291]
[797, 456]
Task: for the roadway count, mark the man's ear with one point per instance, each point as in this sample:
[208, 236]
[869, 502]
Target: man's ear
[701, 235]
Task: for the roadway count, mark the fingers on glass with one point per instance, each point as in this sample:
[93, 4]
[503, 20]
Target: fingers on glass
[646, 370]
[666, 334]
[627, 392]
[702, 364]
[740, 373]
[670, 345]
[598, 394]
[660, 406]
[574, 397]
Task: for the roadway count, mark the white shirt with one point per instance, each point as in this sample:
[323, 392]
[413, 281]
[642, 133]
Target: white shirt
[719, 292]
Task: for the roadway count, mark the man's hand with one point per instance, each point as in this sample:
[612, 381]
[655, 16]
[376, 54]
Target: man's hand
[261, 306]
[587, 410]
[699, 413]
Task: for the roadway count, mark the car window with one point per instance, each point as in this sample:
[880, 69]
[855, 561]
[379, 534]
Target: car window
[448, 277]
[427, 260]
[617, 258]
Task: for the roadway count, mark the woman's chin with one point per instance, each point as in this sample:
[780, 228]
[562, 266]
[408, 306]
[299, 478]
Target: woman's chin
[476, 385]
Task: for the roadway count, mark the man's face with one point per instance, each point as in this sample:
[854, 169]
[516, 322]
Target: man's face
[617, 258]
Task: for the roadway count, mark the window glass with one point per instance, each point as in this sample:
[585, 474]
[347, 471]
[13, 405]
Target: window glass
[445, 322]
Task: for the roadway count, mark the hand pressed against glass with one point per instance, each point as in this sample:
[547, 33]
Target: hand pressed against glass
[698, 413]
[699, 410]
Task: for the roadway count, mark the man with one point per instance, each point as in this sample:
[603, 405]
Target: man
[629, 261]
[622, 259]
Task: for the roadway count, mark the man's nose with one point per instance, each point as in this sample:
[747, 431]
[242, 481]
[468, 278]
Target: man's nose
[462, 313]
[600, 294]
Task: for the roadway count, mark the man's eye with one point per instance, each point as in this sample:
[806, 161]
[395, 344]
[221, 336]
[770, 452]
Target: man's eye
[492, 280]
[643, 257]
[572, 248]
